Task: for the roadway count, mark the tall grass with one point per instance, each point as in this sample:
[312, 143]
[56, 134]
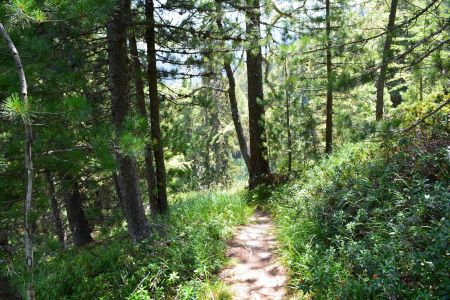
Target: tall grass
[180, 262]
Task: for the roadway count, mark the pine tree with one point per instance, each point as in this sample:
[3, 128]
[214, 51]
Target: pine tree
[385, 60]
[140, 104]
[138, 226]
[259, 164]
[24, 114]
[156, 135]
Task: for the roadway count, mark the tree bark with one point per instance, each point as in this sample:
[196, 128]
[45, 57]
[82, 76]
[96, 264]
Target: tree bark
[28, 163]
[152, 76]
[138, 227]
[421, 86]
[385, 59]
[78, 224]
[140, 103]
[117, 188]
[235, 114]
[56, 212]
[233, 104]
[288, 118]
[329, 112]
[259, 164]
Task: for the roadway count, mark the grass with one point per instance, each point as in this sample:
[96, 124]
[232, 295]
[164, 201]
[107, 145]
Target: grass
[180, 264]
[368, 222]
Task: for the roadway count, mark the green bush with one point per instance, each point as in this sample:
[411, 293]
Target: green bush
[370, 221]
[175, 263]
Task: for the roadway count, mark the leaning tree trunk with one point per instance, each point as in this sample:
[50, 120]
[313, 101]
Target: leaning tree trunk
[56, 212]
[235, 114]
[288, 117]
[28, 163]
[233, 103]
[140, 103]
[259, 164]
[79, 226]
[138, 226]
[152, 76]
[329, 112]
[385, 61]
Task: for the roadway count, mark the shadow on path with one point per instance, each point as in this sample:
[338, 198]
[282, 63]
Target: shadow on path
[255, 272]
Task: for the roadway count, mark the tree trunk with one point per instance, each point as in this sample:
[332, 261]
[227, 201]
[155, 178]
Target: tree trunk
[233, 104]
[117, 188]
[28, 163]
[235, 114]
[152, 75]
[288, 118]
[259, 164]
[56, 212]
[78, 224]
[329, 112]
[140, 103]
[385, 61]
[421, 87]
[138, 226]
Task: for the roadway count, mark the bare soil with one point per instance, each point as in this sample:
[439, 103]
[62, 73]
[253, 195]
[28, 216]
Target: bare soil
[255, 272]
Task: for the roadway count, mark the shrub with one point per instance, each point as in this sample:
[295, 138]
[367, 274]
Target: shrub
[179, 263]
[369, 221]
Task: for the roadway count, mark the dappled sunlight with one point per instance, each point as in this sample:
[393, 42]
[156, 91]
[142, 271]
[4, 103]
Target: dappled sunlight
[255, 272]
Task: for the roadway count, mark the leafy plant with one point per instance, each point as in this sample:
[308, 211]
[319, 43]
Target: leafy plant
[368, 222]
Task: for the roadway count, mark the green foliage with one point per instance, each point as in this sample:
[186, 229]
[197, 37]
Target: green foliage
[14, 107]
[2, 163]
[22, 12]
[133, 136]
[178, 262]
[102, 158]
[369, 222]
[200, 142]
[76, 109]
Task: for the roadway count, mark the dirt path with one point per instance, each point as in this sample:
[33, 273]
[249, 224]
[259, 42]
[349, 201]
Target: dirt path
[255, 272]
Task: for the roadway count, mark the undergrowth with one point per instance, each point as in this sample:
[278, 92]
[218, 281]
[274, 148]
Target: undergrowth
[181, 263]
[370, 221]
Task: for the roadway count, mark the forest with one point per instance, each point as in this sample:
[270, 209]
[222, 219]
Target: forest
[224, 149]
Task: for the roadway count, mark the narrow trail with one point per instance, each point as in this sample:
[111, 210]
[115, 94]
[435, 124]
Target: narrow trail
[255, 272]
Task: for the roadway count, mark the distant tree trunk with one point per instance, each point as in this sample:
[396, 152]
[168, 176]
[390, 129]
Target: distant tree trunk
[28, 163]
[209, 174]
[259, 164]
[152, 75]
[421, 87]
[288, 118]
[220, 153]
[138, 226]
[78, 224]
[385, 61]
[233, 104]
[56, 212]
[329, 113]
[140, 103]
